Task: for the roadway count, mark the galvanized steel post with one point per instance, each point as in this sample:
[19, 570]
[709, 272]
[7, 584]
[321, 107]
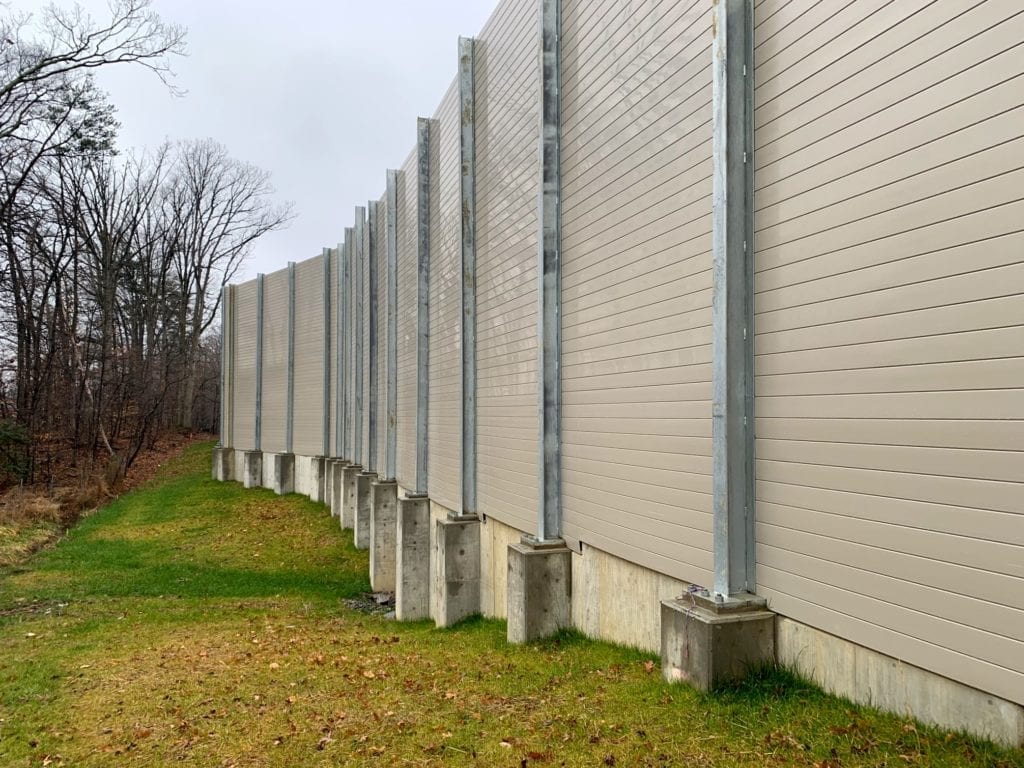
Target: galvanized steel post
[259, 364]
[371, 319]
[357, 329]
[549, 524]
[467, 144]
[229, 397]
[339, 368]
[224, 351]
[732, 299]
[422, 300]
[391, 447]
[326, 437]
[289, 432]
[345, 352]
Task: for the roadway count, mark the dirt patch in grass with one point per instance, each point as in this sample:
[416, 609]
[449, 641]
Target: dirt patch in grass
[193, 622]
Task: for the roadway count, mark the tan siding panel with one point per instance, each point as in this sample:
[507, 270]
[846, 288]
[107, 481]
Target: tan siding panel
[244, 366]
[889, 305]
[507, 94]
[408, 323]
[309, 357]
[445, 409]
[636, 287]
[275, 361]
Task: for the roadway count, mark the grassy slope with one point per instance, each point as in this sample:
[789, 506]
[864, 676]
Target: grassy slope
[194, 622]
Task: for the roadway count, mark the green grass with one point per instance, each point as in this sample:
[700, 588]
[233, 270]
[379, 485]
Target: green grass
[192, 622]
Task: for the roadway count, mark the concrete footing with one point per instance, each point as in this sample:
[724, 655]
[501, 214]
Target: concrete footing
[349, 495]
[318, 479]
[252, 469]
[869, 677]
[223, 464]
[361, 521]
[412, 559]
[539, 589]
[455, 581]
[335, 471]
[282, 472]
[383, 524]
[706, 643]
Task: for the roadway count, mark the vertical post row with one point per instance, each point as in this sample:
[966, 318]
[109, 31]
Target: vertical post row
[345, 339]
[422, 300]
[259, 364]
[371, 319]
[467, 110]
[289, 431]
[549, 524]
[326, 436]
[732, 299]
[391, 447]
[357, 333]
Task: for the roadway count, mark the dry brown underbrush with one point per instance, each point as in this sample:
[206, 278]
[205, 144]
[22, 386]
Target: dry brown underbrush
[33, 516]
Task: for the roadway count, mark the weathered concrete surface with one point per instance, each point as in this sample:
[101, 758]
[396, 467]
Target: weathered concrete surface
[599, 581]
[282, 472]
[306, 476]
[349, 495]
[318, 479]
[383, 530]
[869, 677]
[495, 539]
[706, 644]
[455, 580]
[237, 464]
[252, 469]
[223, 464]
[539, 590]
[412, 559]
[361, 524]
[267, 473]
[335, 474]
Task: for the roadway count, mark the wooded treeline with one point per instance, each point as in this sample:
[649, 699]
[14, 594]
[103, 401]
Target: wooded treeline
[112, 264]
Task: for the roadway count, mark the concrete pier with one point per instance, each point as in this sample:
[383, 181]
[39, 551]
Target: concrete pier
[455, 581]
[252, 469]
[412, 559]
[705, 642]
[383, 525]
[282, 472]
[361, 523]
[539, 589]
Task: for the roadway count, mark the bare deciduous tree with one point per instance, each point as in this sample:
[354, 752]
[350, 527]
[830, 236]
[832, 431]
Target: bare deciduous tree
[112, 267]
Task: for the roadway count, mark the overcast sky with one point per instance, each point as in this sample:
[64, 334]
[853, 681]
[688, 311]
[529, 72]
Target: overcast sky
[322, 94]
